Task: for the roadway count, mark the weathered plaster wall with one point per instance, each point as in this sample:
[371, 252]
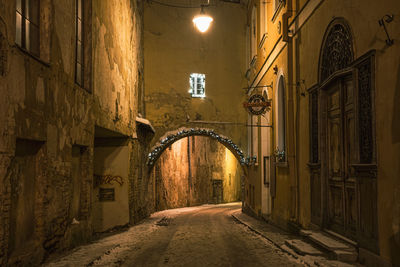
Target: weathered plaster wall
[116, 63]
[174, 49]
[180, 185]
[112, 163]
[42, 106]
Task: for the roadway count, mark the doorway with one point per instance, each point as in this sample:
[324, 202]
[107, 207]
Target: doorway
[339, 124]
[111, 184]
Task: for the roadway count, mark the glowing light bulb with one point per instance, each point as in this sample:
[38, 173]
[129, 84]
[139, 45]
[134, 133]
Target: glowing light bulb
[202, 22]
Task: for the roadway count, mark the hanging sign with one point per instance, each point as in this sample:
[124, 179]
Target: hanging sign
[257, 104]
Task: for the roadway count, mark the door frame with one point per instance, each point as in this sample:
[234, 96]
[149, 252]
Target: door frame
[325, 90]
[365, 167]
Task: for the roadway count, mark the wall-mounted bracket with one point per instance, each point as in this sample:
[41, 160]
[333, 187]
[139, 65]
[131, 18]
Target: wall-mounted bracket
[382, 22]
[258, 86]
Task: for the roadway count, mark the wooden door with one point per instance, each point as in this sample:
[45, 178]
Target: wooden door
[341, 191]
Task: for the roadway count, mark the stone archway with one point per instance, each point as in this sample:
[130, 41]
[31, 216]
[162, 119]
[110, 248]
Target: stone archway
[172, 136]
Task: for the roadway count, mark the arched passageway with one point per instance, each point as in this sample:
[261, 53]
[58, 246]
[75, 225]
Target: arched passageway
[171, 137]
[194, 169]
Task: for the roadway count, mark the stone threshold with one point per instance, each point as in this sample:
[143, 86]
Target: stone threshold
[339, 248]
[301, 247]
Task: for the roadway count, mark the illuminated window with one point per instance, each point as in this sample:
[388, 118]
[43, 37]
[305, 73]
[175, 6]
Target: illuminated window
[79, 44]
[27, 26]
[197, 85]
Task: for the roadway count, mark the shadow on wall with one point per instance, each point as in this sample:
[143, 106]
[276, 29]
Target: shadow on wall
[395, 248]
[396, 111]
[395, 238]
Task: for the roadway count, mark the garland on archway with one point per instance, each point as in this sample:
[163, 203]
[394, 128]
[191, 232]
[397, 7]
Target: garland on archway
[171, 138]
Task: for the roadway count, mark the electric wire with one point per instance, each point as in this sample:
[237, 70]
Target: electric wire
[177, 6]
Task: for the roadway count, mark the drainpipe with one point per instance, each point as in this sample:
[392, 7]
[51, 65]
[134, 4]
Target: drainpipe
[286, 38]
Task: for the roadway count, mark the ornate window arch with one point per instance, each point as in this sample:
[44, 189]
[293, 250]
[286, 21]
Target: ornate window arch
[337, 49]
[336, 54]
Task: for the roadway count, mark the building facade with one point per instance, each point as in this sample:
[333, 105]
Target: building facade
[330, 159]
[71, 148]
[193, 84]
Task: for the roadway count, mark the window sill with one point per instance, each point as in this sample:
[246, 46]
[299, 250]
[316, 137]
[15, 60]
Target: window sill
[26, 52]
[198, 96]
[82, 88]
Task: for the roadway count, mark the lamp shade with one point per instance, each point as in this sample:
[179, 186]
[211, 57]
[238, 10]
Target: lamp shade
[202, 22]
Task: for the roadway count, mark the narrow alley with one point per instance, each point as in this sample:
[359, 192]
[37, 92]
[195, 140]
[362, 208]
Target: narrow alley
[200, 133]
[195, 236]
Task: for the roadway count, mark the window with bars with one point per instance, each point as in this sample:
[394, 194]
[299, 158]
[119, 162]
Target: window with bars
[197, 83]
[79, 66]
[27, 25]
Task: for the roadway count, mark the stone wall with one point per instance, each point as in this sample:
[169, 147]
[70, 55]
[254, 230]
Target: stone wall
[185, 172]
[48, 122]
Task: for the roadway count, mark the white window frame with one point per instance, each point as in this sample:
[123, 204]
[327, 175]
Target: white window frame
[194, 90]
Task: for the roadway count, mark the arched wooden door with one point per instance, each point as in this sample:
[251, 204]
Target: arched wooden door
[339, 155]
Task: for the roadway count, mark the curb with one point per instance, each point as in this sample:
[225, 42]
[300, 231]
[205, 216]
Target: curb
[283, 249]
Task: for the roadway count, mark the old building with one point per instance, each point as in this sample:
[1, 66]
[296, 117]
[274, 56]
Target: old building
[71, 82]
[193, 88]
[330, 159]
[111, 110]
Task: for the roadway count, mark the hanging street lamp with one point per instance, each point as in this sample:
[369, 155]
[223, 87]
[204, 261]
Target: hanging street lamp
[202, 21]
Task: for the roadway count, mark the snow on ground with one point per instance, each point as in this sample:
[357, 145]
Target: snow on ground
[206, 235]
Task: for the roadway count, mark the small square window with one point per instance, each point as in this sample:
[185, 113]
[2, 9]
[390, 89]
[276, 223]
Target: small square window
[197, 83]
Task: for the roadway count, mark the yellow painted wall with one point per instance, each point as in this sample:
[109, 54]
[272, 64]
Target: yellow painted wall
[367, 35]
[174, 49]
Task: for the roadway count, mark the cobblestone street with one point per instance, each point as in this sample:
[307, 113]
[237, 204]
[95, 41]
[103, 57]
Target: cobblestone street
[197, 236]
